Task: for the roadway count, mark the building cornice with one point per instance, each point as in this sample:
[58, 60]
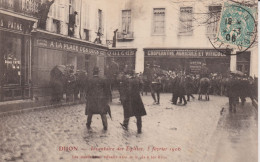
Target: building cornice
[17, 15]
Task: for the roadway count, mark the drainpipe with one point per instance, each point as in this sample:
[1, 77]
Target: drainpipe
[80, 19]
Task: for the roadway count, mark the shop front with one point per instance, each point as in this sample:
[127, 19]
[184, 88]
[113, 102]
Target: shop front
[50, 50]
[188, 60]
[243, 62]
[124, 57]
[15, 50]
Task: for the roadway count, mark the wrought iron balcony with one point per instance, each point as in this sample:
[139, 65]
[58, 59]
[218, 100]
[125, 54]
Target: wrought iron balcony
[24, 7]
[125, 36]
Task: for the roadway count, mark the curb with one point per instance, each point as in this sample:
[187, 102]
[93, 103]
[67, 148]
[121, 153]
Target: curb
[15, 112]
[39, 108]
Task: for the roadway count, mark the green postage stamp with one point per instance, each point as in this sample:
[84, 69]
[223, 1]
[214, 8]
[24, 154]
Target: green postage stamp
[237, 25]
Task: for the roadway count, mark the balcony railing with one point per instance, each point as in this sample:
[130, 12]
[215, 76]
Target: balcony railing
[24, 7]
[125, 36]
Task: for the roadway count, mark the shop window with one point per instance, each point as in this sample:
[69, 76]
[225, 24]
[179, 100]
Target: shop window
[12, 60]
[158, 20]
[185, 27]
[243, 62]
[72, 60]
[213, 19]
[87, 60]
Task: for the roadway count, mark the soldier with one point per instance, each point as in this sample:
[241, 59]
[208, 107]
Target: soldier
[97, 98]
[131, 101]
[204, 71]
[156, 88]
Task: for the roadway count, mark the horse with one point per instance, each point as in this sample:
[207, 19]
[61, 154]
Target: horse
[204, 87]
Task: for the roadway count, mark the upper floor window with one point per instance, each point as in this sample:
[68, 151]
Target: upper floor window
[212, 21]
[126, 21]
[185, 27]
[158, 20]
[87, 36]
[56, 26]
[100, 20]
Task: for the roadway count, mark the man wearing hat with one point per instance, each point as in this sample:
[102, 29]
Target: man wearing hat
[131, 100]
[147, 75]
[97, 98]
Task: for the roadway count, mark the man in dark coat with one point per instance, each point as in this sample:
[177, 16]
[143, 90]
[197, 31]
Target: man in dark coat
[189, 87]
[131, 101]
[147, 76]
[233, 90]
[178, 89]
[114, 70]
[97, 98]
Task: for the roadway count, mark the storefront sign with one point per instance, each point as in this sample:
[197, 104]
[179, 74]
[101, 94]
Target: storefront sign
[11, 24]
[195, 66]
[123, 52]
[182, 53]
[68, 47]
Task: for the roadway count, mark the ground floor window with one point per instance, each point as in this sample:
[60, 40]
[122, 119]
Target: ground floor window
[12, 60]
[123, 62]
[14, 66]
[243, 62]
[46, 59]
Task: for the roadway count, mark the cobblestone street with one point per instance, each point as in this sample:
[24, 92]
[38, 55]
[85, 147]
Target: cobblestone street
[170, 133]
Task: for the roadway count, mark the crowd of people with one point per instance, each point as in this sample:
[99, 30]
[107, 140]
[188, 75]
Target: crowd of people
[98, 90]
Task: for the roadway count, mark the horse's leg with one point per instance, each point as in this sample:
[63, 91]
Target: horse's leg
[252, 99]
[243, 100]
[208, 95]
[199, 94]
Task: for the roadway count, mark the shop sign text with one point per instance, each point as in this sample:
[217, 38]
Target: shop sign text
[11, 24]
[124, 52]
[184, 53]
[67, 46]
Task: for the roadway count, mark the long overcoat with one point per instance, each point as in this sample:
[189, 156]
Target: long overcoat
[131, 99]
[234, 87]
[97, 96]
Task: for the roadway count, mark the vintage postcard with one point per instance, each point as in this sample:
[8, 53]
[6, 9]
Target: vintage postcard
[129, 80]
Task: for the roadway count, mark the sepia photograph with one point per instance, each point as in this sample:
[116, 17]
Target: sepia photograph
[129, 80]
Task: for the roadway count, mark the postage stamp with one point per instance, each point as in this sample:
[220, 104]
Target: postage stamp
[237, 25]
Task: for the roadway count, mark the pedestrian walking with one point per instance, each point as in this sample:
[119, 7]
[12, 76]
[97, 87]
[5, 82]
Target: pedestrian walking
[131, 101]
[97, 98]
